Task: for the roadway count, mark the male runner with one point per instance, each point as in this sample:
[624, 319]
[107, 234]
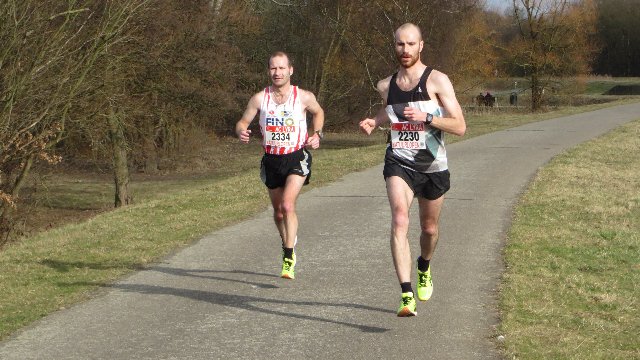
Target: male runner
[421, 105]
[286, 164]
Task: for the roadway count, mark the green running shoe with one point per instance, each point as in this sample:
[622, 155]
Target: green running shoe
[288, 267]
[407, 305]
[425, 284]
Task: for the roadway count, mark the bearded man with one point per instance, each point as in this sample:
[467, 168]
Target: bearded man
[421, 106]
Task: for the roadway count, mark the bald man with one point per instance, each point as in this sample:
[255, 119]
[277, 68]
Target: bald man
[421, 106]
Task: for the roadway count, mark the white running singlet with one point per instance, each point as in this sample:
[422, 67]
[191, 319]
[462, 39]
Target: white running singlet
[283, 126]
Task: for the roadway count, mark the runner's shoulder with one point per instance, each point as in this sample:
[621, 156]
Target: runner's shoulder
[383, 86]
[439, 80]
[256, 99]
[307, 97]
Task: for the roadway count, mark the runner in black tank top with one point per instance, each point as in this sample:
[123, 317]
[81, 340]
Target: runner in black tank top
[415, 162]
[432, 158]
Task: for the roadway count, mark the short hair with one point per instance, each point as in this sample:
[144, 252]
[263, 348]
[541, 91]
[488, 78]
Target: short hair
[407, 26]
[277, 54]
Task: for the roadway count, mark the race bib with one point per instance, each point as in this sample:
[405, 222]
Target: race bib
[408, 136]
[280, 136]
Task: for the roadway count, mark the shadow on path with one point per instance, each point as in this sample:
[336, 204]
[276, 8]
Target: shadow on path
[201, 274]
[245, 302]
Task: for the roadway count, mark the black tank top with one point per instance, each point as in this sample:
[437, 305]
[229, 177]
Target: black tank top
[401, 97]
[431, 159]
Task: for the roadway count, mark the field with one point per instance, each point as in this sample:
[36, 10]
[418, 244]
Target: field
[573, 256]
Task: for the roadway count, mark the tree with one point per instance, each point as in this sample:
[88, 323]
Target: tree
[619, 35]
[554, 40]
[169, 79]
[474, 55]
[50, 54]
[342, 48]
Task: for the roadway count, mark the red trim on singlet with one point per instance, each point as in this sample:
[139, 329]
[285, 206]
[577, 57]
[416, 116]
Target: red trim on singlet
[293, 104]
[292, 101]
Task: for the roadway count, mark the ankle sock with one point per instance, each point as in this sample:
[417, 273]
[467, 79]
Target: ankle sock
[406, 287]
[423, 265]
[288, 252]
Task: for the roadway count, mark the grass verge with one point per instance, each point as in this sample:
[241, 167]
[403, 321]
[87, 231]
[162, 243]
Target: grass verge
[570, 290]
[53, 269]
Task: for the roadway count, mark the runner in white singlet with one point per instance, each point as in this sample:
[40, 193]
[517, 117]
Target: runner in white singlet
[286, 164]
[283, 126]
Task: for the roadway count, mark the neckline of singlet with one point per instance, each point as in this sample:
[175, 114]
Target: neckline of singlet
[423, 77]
[272, 98]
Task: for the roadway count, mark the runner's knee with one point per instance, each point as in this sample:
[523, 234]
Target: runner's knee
[430, 229]
[287, 207]
[400, 221]
[278, 215]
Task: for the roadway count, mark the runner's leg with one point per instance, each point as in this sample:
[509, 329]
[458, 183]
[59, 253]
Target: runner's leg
[276, 196]
[288, 208]
[429, 218]
[400, 198]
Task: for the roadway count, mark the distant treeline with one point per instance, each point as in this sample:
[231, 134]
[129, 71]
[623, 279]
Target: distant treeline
[128, 83]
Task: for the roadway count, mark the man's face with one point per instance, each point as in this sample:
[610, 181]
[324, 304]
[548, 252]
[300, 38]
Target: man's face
[408, 45]
[279, 70]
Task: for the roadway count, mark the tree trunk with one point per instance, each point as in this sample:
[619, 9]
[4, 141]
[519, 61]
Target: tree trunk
[150, 153]
[536, 92]
[120, 166]
[334, 46]
[325, 72]
[6, 208]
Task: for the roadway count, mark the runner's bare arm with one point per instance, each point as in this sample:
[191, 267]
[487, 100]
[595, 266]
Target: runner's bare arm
[312, 106]
[249, 114]
[369, 124]
[454, 122]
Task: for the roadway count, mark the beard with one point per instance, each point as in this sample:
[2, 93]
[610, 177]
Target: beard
[408, 62]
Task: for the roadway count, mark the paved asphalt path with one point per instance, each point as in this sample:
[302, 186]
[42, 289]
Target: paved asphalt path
[222, 299]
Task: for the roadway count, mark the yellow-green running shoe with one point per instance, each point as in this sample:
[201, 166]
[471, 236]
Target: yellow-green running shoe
[425, 284]
[407, 305]
[288, 267]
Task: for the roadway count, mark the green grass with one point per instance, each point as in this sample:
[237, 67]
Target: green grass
[601, 85]
[573, 256]
[55, 268]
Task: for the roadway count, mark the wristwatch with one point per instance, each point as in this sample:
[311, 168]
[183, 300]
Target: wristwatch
[320, 134]
[429, 118]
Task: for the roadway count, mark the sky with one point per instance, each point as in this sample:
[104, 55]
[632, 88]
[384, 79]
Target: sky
[499, 5]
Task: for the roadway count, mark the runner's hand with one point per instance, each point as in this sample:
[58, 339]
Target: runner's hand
[244, 136]
[313, 141]
[413, 114]
[367, 125]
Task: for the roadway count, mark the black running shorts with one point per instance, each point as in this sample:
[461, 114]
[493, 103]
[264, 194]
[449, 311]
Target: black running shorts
[274, 169]
[425, 185]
